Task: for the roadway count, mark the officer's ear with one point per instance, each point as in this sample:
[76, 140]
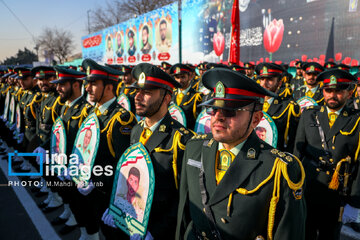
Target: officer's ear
[256, 118]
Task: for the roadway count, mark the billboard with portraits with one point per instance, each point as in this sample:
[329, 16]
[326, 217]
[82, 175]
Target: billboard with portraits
[151, 37]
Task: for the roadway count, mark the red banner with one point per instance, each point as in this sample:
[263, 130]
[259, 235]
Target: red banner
[235, 34]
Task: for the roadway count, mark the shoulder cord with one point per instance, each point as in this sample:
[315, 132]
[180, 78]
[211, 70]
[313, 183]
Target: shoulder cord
[279, 169]
[291, 111]
[175, 145]
[110, 125]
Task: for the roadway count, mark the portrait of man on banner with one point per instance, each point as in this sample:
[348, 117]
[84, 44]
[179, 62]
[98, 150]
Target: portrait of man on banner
[109, 48]
[119, 44]
[132, 43]
[163, 35]
[146, 36]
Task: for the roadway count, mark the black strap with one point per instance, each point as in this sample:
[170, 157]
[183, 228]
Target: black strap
[204, 199]
[322, 134]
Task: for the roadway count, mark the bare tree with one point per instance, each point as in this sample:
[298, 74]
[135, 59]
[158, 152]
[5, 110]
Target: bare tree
[56, 42]
[118, 11]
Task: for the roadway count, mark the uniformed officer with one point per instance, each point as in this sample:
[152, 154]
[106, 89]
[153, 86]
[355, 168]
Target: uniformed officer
[185, 96]
[234, 185]
[250, 70]
[165, 139]
[284, 111]
[127, 80]
[115, 127]
[165, 66]
[28, 115]
[327, 142]
[48, 106]
[73, 113]
[312, 87]
[298, 81]
[342, 66]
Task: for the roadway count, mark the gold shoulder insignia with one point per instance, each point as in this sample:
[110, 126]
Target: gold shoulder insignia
[281, 154]
[322, 109]
[274, 151]
[289, 159]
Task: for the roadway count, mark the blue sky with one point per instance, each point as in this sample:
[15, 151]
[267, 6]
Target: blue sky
[70, 15]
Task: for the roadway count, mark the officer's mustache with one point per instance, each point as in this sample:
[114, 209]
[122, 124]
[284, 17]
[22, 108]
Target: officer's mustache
[333, 98]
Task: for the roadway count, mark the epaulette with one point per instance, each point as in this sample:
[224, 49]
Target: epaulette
[183, 131]
[200, 137]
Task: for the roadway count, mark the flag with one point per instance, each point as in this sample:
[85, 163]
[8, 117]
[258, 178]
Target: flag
[330, 46]
[235, 34]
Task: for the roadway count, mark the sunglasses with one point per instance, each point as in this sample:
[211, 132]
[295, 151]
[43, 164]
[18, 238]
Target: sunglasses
[225, 112]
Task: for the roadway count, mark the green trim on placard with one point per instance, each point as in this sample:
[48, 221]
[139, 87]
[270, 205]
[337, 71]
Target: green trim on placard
[123, 220]
[172, 108]
[88, 122]
[12, 110]
[200, 127]
[122, 97]
[301, 101]
[57, 127]
[273, 128]
[6, 108]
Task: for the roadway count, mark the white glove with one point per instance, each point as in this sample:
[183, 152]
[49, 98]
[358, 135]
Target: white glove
[20, 138]
[351, 214]
[108, 219]
[85, 190]
[41, 151]
[138, 236]
[13, 127]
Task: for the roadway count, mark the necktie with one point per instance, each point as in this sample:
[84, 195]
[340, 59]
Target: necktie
[179, 98]
[224, 160]
[145, 135]
[309, 93]
[332, 117]
[97, 111]
[266, 106]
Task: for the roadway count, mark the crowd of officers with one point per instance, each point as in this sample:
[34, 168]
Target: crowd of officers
[227, 184]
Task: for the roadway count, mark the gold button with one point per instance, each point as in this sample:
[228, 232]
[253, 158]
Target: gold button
[203, 234]
[322, 145]
[320, 158]
[318, 169]
[333, 147]
[327, 173]
[223, 220]
[204, 210]
[331, 160]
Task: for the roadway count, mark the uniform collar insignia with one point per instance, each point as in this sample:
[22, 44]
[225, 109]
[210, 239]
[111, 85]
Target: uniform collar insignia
[251, 153]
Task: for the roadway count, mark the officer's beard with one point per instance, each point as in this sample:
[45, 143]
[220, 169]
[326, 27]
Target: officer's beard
[151, 108]
[337, 104]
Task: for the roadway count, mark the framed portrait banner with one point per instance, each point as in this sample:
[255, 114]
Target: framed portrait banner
[305, 102]
[133, 190]
[202, 124]
[58, 158]
[12, 110]
[177, 113]
[124, 101]
[6, 107]
[85, 147]
[18, 121]
[267, 131]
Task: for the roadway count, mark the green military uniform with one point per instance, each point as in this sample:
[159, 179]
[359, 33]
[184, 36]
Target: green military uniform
[190, 100]
[298, 81]
[115, 125]
[244, 220]
[166, 147]
[311, 68]
[329, 153]
[28, 119]
[282, 109]
[260, 193]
